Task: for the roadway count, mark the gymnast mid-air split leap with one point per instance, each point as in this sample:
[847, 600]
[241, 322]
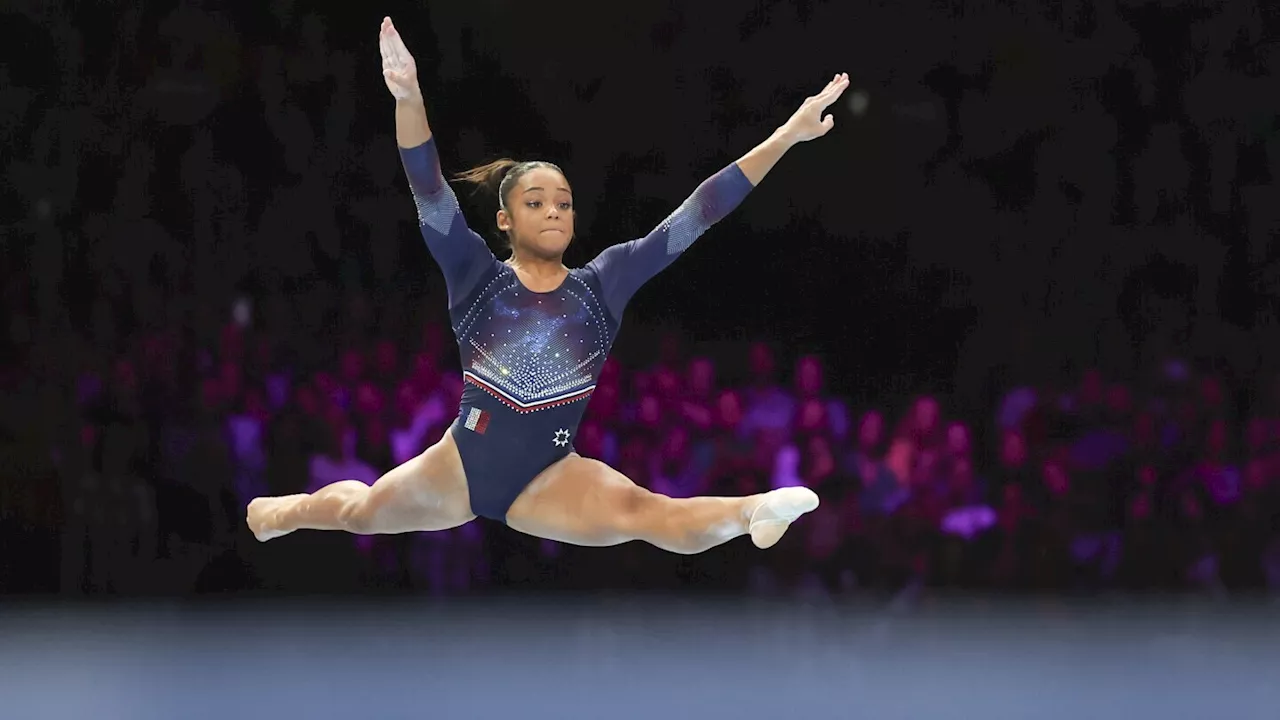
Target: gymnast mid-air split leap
[533, 337]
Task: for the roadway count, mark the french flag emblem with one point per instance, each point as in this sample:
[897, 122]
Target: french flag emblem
[477, 420]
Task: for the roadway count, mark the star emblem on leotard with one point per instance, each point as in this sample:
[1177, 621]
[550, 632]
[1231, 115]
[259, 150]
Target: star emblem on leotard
[562, 437]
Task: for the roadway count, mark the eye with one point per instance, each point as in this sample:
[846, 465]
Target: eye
[566, 206]
[534, 203]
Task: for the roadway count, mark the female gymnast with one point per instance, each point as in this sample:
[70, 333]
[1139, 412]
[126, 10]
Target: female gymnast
[533, 337]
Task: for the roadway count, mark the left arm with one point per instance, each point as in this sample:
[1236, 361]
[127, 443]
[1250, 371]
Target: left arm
[623, 268]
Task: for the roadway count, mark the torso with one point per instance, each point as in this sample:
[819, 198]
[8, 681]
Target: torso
[530, 349]
[530, 361]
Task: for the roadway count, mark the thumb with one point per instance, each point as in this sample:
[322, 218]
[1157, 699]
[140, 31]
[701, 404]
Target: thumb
[828, 122]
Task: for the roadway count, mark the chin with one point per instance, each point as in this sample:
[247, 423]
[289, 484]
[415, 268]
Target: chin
[550, 244]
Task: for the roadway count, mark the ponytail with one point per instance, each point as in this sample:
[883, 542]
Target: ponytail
[500, 177]
[489, 177]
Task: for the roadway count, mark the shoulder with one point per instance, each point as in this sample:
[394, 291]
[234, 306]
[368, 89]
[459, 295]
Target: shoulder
[493, 267]
[483, 270]
[588, 274]
[610, 259]
[591, 287]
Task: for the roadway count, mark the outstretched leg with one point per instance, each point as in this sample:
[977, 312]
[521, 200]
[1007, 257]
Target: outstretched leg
[428, 492]
[585, 502]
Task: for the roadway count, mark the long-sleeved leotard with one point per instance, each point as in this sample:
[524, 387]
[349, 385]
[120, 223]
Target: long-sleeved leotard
[531, 359]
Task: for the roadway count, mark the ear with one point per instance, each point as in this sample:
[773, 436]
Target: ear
[504, 221]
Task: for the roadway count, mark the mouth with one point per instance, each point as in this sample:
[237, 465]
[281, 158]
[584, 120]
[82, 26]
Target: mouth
[555, 230]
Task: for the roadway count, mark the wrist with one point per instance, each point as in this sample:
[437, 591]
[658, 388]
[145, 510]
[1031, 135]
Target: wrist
[784, 137]
[413, 101]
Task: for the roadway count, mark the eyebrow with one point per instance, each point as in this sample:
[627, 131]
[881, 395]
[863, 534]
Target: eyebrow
[542, 188]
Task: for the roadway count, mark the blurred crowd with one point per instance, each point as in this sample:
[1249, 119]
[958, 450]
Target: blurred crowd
[213, 288]
[1154, 486]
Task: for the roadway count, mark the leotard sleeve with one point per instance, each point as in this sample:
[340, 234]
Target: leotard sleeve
[461, 254]
[622, 269]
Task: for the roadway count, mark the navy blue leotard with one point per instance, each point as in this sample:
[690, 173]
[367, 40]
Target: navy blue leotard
[530, 360]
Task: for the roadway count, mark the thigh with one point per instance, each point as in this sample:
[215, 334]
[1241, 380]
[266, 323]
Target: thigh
[428, 492]
[579, 501]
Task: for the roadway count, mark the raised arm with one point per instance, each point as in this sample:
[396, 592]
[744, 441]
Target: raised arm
[624, 268]
[461, 253]
[401, 75]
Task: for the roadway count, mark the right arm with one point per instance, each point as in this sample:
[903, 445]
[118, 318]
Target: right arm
[461, 253]
[401, 74]
[412, 128]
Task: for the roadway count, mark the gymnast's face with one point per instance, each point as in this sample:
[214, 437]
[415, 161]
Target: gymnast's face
[539, 214]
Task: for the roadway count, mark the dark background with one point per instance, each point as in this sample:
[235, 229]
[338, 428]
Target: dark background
[1076, 197]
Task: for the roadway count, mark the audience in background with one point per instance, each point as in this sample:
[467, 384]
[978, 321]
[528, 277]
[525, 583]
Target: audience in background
[212, 290]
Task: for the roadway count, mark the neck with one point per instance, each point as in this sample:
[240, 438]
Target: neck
[538, 268]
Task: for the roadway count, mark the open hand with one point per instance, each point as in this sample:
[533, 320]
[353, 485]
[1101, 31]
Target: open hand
[808, 123]
[398, 68]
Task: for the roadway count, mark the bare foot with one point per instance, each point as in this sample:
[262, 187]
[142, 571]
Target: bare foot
[262, 514]
[776, 511]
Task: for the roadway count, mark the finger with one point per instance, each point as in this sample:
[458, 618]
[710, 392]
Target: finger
[397, 42]
[387, 47]
[829, 93]
[402, 53]
[828, 122]
[833, 93]
[837, 85]
[822, 102]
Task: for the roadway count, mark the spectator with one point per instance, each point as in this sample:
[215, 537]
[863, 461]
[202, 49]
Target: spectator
[810, 385]
[766, 406]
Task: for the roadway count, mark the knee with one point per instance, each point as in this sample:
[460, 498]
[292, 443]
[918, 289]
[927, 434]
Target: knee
[637, 503]
[637, 510]
[656, 518]
[357, 512]
[356, 518]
